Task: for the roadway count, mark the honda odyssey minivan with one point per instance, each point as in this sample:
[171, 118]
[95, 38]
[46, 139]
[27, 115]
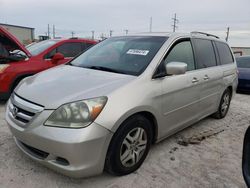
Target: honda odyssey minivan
[105, 108]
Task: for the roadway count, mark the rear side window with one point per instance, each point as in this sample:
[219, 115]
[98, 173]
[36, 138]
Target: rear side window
[205, 56]
[182, 52]
[225, 54]
[70, 49]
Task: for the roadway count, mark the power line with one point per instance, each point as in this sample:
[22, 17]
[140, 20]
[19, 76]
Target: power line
[54, 31]
[110, 33]
[228, 28]
[150, 24]
[72, 34]
[93, 34]
[126, 31]
[48, 31]
[175, 23]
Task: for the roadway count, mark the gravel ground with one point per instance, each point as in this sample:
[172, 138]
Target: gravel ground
[207, 154]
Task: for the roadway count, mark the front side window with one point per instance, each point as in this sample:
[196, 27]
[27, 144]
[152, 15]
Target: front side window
[70, 49]
[182, 52]
[225, 54]
[205, 56]
[126, 55]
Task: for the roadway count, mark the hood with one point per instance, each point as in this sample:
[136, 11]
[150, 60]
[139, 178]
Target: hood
[10, 42]
[65, 83]
[244, 73]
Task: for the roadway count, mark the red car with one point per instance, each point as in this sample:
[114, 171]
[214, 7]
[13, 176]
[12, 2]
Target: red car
[18, 62]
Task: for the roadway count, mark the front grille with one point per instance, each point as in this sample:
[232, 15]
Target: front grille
[22, 111]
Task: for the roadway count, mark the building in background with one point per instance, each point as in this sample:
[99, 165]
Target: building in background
[24, 34]
[239, 51]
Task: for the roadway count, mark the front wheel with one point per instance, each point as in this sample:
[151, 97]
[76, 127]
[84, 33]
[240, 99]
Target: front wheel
[129, 146]
[224, 105]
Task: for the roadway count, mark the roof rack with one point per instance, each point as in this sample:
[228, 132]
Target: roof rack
[207, 34]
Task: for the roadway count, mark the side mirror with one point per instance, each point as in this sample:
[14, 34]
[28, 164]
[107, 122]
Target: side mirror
[57, 57]
[176, 68]
[246, 158]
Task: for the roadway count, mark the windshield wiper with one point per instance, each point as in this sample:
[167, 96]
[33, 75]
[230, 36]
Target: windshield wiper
[105, 69]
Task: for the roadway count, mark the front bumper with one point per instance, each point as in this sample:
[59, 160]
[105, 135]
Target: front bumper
[73, 152]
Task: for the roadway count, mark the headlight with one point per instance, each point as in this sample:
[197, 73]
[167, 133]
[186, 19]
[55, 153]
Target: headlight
[77, 114]
[3, 67]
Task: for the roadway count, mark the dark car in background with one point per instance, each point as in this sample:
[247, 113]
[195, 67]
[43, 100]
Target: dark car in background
[18, 61]
[246, 158]
[243, 64]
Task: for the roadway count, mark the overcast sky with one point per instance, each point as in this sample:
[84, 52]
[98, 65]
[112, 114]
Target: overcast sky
[83, 16]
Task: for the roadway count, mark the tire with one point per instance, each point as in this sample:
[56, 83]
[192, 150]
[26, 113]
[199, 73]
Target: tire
[224, 105]
[129, 146]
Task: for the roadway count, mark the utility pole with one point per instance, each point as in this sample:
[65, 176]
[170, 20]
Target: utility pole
[228, 28]
[175, 23]
[150, 24]
[54, 32]
[126, 31]
[93, 34]
[72, 34]
[110, 33]
[102, 36]
[48, 32]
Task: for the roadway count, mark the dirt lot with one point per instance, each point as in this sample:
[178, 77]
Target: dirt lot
[213, 159]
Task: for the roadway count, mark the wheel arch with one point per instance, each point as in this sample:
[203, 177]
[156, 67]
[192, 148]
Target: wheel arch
[145, 113]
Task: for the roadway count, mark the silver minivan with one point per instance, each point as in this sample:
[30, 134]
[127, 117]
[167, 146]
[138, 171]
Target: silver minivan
[105, 108]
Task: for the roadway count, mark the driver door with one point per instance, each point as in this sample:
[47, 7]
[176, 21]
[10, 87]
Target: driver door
[180, 93]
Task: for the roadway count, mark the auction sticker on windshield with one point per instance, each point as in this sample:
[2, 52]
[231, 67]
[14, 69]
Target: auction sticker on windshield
[137, 52]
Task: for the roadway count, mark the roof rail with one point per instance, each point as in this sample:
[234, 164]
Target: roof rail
[207, 34]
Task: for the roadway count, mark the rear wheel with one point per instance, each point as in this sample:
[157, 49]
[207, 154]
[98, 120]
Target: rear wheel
[129, 146]
[224, 105]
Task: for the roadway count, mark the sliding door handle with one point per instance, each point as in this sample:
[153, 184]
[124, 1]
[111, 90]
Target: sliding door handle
[206, 77]
[195, 80]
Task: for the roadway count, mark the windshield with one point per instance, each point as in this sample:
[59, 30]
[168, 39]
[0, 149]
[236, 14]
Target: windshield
[243, 62]
[37, 48]
[126, 55]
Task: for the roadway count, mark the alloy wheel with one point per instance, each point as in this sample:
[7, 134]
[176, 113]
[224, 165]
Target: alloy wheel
[133, 147]
[225, 103]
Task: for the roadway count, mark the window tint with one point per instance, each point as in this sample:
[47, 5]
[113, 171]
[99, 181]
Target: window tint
[243, 62]
[70, 49]
[205, 55]
[182, 52]
[224, 53]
